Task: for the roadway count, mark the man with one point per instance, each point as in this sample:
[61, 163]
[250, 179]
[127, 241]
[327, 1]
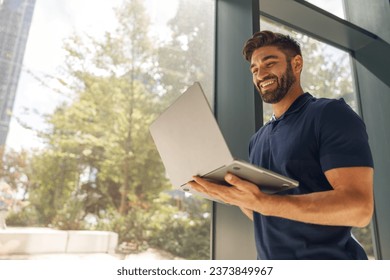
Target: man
[321, 143]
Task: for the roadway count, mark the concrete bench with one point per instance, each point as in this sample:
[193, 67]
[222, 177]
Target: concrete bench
[46, 240]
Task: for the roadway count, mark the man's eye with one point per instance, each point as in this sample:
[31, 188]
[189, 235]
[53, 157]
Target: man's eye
[270, 64]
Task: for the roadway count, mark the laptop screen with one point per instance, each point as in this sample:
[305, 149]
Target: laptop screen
[188, 138]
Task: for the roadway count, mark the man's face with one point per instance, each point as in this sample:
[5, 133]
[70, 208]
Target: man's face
[272, 73]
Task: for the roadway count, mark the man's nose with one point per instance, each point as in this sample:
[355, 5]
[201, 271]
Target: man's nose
[261, 74]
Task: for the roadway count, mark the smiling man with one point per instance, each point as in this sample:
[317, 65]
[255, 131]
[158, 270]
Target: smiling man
[320, 142]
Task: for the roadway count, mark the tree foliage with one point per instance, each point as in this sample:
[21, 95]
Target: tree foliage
[14, 170]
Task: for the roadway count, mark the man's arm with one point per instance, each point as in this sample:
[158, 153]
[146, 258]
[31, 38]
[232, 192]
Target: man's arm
[350, 203]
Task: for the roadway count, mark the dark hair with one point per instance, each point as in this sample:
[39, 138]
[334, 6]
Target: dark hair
[285, 43]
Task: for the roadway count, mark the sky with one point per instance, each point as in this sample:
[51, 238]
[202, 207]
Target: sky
[52, 22]
[332, 6]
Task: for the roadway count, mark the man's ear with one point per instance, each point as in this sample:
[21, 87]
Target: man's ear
[297, 63]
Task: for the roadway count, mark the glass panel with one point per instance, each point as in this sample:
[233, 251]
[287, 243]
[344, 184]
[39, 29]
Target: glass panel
[335, 7]
[79, 154]
[327, 72]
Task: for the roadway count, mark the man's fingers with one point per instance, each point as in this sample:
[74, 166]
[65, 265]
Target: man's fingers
[208, 188]
[236, 181]
[241, 185]
[232, 179]
[229, 178]
[197, 187]
[207, 185]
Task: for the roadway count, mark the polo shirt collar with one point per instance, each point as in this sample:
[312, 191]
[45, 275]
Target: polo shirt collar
[295, 106]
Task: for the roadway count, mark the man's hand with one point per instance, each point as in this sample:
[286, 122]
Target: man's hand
[241, 193]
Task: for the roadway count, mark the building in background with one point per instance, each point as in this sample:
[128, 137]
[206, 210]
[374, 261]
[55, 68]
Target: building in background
[15, 21]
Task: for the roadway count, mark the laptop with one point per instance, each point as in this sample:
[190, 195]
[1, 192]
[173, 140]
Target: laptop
[190, 142]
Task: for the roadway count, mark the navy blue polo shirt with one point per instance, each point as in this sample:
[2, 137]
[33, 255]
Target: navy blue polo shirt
[311, 137]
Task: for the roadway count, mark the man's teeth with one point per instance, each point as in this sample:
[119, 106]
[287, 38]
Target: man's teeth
[267, 83]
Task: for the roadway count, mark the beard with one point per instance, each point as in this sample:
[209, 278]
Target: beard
[283, 86]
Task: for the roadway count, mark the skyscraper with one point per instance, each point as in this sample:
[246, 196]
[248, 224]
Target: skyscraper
[15, 21]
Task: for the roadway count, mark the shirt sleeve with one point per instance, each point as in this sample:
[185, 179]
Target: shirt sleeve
[343, 140]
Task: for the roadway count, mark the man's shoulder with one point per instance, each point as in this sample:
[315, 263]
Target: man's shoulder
[319, 106]
[322, 102]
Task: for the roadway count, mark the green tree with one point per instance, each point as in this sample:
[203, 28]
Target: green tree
[14, 170]
[52, 181]
[101, 132]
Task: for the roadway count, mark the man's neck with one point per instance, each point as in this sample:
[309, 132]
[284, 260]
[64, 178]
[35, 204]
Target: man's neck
[282, 106]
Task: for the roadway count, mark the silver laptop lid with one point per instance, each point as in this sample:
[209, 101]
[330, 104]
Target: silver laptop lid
[188, 138]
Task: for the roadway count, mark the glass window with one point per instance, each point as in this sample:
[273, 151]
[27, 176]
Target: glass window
[335, 7]
[79, 151]
[327, 72]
